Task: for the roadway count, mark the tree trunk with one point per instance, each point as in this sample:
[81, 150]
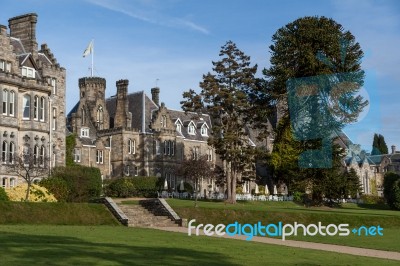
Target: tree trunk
[28, 191]
[233, 184]
[228, 181]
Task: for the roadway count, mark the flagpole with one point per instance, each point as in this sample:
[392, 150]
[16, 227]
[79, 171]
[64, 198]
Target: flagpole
[92, 57]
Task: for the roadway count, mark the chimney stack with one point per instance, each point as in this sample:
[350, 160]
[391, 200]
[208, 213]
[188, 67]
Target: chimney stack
[155, 95]
[121, 113]
[3, 30]
[24, 28]
[393, 149]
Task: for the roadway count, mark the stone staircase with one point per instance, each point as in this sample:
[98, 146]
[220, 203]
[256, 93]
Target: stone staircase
[139, 216]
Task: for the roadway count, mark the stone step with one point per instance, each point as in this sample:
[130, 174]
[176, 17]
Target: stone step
[140, 216]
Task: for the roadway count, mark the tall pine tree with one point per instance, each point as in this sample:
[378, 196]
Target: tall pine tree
[223, 96]
[379, 145]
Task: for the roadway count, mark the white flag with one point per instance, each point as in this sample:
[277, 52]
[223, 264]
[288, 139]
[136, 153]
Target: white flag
[89, 49]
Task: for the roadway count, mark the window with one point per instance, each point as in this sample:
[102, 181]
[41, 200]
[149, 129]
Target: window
[41, 111]
[4, 152]
[13, 182]
[11, 153]
[12, 103]
[26, 106]
[5, 99]
[54, 120]
[85, 132]
[196, 153]
[131, 146]
[179, 128]
[157, 145]
[99, 117]
[35, 108]
[191, 129]
[204, 130]
[53, 85]
[35, 154]
[8, 66]
[4, 182]
[172, 148]
[28, 72]
[164, 121]
[77, 155]
[209, 155]
[83, 114]
[2, 65]
[41, 155]
[99, 156]
[168, 147]
[136, 173]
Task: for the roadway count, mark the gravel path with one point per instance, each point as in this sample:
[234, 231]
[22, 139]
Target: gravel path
[309, 245]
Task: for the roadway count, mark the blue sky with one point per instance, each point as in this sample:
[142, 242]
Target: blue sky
[175, 41]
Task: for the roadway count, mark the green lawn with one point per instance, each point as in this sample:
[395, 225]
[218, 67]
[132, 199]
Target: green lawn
[289, 212]
[117, 245]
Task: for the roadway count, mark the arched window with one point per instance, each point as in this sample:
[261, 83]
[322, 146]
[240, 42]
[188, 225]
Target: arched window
[27, 107]
[41, 155]
[11, 153]
[36, 108]
[12, 103]
[5, 99]
[4, 152]
[83, 115]
[99, 117]
[35, 154]
[41, 111]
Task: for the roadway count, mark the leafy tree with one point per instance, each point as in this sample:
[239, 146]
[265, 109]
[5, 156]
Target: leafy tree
[379, 145]
[30, 165]
[224, 96]
[323, 60]
[391, 190]
[196, 170]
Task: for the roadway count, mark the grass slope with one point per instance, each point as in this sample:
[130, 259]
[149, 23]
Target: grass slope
[55, 213]
[289, 212]
[110, 245]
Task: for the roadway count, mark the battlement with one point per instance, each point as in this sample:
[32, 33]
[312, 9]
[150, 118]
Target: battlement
[92, 82]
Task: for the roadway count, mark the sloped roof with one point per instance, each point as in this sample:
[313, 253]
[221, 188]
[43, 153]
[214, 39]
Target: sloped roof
[136, 102]
[18, 46]
[186, 118]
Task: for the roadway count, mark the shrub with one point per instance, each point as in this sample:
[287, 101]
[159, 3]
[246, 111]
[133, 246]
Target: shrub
[3, 195]
[146, 186]
[121, 188]
[372, 199]
[298, 196]
[37, 193]
[84, 183]
[57, 186]
[391, 190]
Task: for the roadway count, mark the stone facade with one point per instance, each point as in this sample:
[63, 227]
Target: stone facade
[131, 134]
[32, 97]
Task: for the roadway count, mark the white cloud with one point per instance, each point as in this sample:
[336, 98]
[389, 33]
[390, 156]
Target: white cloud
[148, 13]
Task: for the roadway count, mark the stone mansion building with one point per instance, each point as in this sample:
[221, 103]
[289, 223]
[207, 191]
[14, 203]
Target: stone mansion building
[32, 99]
[132, 134]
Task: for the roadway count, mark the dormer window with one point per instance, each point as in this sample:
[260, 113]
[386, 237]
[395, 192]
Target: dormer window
[204, 131]
[164, 121]
[191, 129]
[28, 72]
[179, 128]
[85, 132]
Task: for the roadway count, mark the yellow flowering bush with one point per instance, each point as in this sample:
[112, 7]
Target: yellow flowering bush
[37, 193]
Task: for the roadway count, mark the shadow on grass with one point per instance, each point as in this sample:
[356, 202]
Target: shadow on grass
[23, 249]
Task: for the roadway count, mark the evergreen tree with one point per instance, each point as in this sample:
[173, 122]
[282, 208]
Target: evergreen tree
[223, 96]
[379, 145]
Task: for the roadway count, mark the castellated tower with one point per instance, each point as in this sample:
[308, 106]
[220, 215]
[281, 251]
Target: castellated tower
[92, 108]
[24, 28]
[122, 116]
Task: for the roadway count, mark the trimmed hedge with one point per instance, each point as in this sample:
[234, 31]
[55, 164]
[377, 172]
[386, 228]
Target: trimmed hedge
[141, 186]
[79, 183]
